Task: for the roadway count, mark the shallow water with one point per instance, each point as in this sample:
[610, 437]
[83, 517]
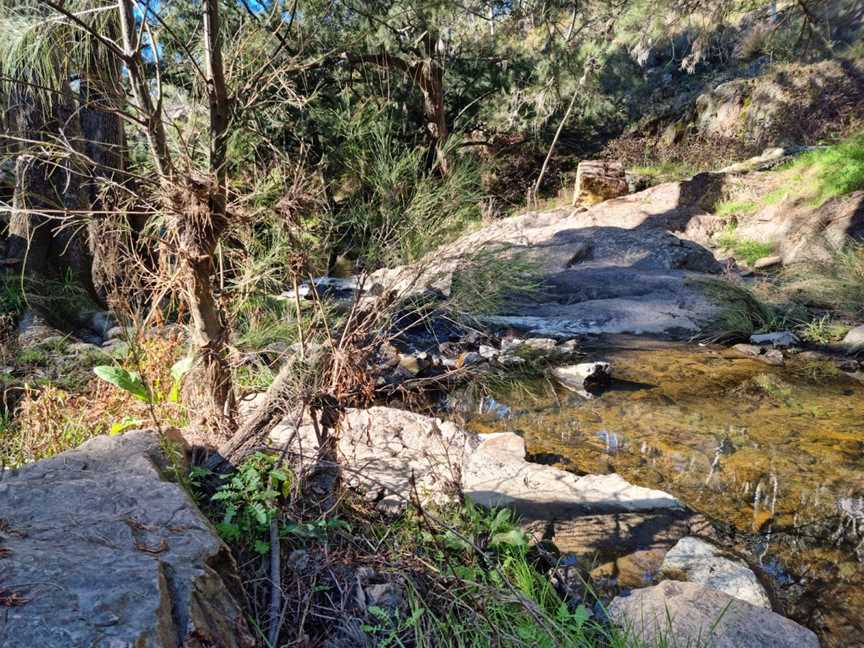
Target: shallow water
[765, 451]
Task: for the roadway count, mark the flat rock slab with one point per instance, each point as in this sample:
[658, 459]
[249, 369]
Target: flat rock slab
[687, 614]
[697, 561]
[391, 455]
[497, 474]
[104, 552]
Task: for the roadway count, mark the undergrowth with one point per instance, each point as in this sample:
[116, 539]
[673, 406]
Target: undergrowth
[458, 576]
[54, 415]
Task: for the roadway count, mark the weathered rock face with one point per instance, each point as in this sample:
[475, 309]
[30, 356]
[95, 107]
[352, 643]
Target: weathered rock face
[389, 455]
[794, 104]
[614, 268]
[697, 561]
[599, 180]
[803, 233]
[693, 615]
[105, 552]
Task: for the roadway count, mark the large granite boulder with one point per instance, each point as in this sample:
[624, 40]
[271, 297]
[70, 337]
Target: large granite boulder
[99, 549]
[390, 456]
[687, 614]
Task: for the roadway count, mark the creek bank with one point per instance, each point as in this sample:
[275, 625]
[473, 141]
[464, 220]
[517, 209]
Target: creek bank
[100, 548]
[392, 457]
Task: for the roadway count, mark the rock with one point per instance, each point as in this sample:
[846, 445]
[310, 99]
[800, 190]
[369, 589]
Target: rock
[116, 348]
[768, 356]
[78, 348]
[639, 278]
[33, 329]
[497, 474]
[414, 363]
[697, 561]
[767, 262]
[386, 452]
[853, 342]
[106, 551]
[487, 352]
[115, 333]
[385, 596]
[778, 340]
[581, 252]
[696, 615]
[628, 547]
[515, 351]
[584, 376]
[599, 180]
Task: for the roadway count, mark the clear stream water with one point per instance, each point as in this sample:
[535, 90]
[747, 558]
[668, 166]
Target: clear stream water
[765, 452]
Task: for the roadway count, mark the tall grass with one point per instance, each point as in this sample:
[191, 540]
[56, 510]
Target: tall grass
[392, 207]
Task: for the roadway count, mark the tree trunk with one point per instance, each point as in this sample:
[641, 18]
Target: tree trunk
[112, 234]
[46, 231]
[430, 78]
[199, 235]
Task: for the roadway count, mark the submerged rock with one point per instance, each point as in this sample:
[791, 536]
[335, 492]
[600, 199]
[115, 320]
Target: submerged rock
[585, 376]
[102, 550]
[778, 340]
[694, 615]
[697, 561]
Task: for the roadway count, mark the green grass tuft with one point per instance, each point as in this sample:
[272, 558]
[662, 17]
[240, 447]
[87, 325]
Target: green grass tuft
[749, 250]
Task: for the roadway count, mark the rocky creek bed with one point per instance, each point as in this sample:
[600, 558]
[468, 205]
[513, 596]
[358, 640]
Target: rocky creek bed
[771, 455]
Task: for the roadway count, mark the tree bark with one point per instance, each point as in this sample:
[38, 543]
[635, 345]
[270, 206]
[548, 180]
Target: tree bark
[47, 232]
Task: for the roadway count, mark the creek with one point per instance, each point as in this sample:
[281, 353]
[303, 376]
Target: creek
[772, 455]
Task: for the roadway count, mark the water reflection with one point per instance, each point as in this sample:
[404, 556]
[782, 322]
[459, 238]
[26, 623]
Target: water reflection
[775, 452]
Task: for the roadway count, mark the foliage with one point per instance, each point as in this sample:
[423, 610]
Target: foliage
[249, 498]
[131, 381]
[735, 207]
[741, 313]
[823, 330]
[12, 299]
[747, 249]
[390, 207]
[667, 171]
[489, 276]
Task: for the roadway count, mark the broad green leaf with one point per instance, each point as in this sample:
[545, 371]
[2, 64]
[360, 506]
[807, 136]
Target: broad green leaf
[119, 427]
[128, 381]
[514, 538]
[182, 367]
